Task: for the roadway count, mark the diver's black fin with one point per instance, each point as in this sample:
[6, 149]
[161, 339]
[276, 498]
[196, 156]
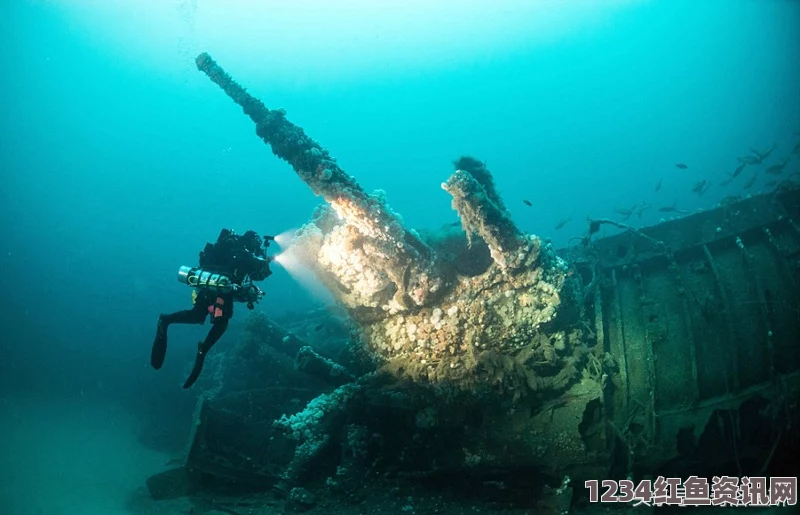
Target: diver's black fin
[198, 367]
[159, 351]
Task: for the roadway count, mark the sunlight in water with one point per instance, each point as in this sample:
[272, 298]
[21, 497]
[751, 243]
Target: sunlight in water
[333, 39]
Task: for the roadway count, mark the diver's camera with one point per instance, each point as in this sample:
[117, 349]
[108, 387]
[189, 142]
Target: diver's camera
[268, 239]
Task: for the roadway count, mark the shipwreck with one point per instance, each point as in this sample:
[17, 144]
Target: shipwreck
[483, 353]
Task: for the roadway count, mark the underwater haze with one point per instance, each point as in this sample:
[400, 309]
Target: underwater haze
[121, 160]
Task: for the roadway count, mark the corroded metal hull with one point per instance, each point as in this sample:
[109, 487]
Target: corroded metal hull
[703, 331]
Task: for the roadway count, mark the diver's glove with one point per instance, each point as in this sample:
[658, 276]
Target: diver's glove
[198, 366]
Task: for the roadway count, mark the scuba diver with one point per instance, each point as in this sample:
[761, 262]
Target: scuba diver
[225, 274]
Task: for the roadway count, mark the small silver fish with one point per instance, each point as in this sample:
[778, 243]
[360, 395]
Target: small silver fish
[738, 170]
[762, 155]
[562, 223]
[625, 212]
[777, 169]
[750, 160]
[701, 187]
[670, 209]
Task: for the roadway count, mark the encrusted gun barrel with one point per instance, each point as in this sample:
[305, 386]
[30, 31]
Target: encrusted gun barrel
[404, 265]
[481, 215]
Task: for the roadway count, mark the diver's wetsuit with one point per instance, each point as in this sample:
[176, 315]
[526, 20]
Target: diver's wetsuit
[236, 258]
[205, 304]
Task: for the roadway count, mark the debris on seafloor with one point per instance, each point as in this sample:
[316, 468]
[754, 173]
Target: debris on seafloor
[309, 361]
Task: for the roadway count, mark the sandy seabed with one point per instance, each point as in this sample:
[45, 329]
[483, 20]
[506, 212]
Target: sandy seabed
[71, 457]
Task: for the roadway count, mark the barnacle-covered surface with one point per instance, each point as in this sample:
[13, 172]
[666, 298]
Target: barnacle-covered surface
[495, 327]
[487, 328]
[352, 263]
[481, 215]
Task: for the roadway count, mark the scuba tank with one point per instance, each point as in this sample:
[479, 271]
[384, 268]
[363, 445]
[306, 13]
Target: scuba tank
[205, 280]
[199, 278]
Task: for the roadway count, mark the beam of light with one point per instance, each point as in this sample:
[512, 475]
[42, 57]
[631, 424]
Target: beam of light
[286, 238]
[289, 259]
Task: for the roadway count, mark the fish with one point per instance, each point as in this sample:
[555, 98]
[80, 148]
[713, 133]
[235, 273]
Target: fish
[701, 187]
[658, 186]
[796, 149]
[641, 209]
[762, 155]
[625, 212]
[319, 327]
[770, 184]
[750, 160]
[527, 203]
[777, 169]
[670, 209]
[738, 170]
[682, 166]
[726, 181]
[562, 223]
[752, 180]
